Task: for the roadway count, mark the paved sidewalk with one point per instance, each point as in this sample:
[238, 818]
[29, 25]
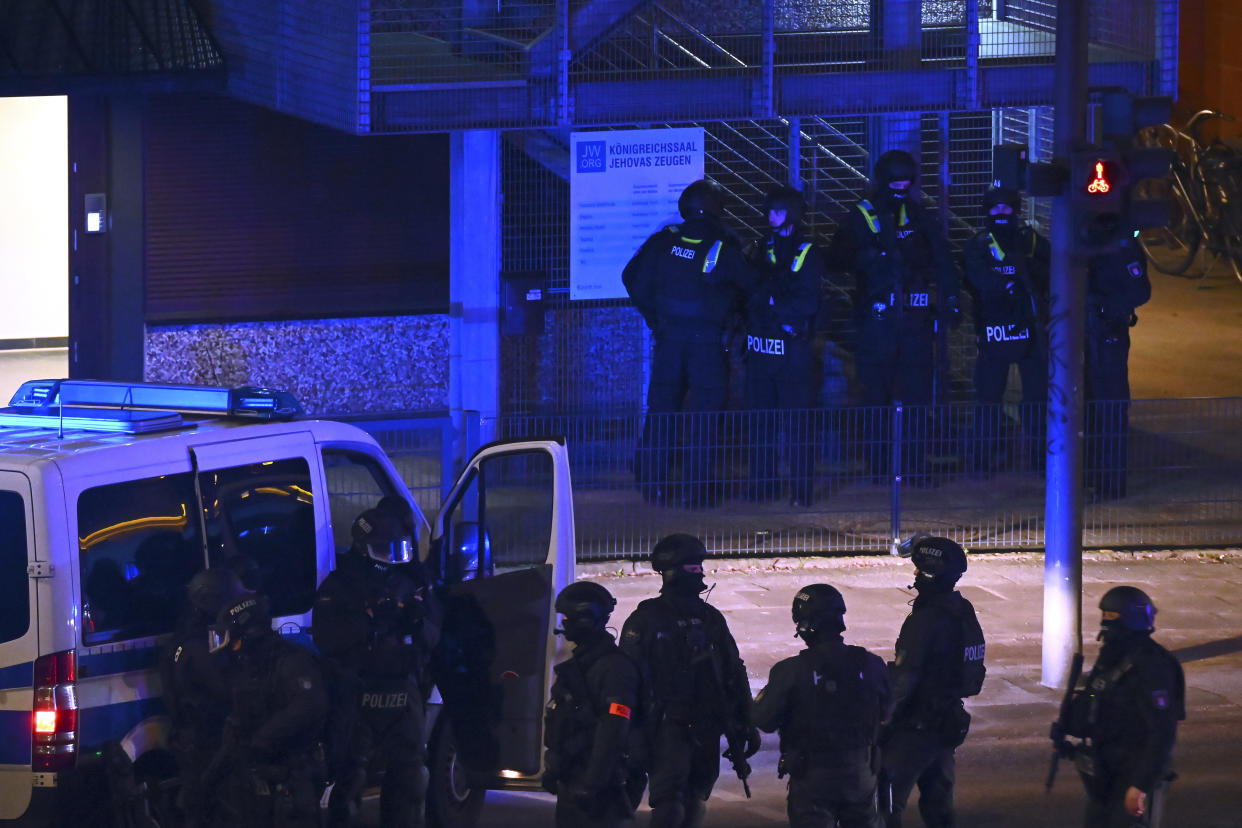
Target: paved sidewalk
[1004, 761]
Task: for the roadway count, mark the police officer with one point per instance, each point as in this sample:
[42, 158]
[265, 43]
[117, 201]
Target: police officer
[938, 662]
[270, 763]
[687, 280]
[587, 728]
[827, 702]
[1127, 714]
[694, 683]
[1007, 267]
[196, 691]
[906, 284]
[780, 363]
[1117, 284]
[375, 622]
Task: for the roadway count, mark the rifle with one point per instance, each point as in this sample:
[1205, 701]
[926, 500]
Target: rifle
[736, 754]
[1060, 745]
[735, 734]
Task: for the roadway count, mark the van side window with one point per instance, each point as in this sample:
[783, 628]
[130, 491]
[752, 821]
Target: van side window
[139, 545]
[261, 523]
[503, 518]
[355, 483]
[14, 585]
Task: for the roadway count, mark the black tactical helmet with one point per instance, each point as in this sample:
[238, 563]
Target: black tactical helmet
[1134, 609]
[386, 533]
[248, 615]
[675, 550]
[211, 589]
[582, 597]
[1001, 195]
[788, 199]
[895, 165]
[700, 198]
[938, 559]
[818, 606]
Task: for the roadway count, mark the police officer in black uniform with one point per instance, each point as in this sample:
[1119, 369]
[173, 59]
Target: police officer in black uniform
[1117, 284]
[587, 729]
[694, 684]
[269, 766]
[1007, 267]
[906, 284]
[196, 691]
[687, 280]
[827, 702]
[780, 363]
[376, 623]
[1126, 714]
[938, 662]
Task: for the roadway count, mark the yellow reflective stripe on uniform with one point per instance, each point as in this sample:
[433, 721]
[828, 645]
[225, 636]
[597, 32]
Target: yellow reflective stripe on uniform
[709, 264]
[873, 221]
[689, 240]
[997, 252]
[771, 256]
[803, 249]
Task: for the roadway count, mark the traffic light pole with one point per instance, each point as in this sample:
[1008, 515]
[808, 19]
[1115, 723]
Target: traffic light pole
[1063, 483]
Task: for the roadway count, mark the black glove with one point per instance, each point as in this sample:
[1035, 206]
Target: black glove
[753, 741]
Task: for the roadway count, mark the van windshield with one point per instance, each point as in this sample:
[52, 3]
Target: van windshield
[14, 584]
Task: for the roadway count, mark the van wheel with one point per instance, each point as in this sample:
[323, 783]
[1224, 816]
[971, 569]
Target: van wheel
[452, 802]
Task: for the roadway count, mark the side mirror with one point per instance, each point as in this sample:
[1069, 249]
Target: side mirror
[472, 555]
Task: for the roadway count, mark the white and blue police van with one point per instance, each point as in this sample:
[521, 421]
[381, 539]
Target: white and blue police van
[114, 495]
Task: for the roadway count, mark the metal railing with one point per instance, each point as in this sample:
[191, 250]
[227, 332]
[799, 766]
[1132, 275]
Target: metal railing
[1157, 473]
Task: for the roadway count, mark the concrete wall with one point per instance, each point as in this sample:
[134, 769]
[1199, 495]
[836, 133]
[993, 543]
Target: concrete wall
[334, 366]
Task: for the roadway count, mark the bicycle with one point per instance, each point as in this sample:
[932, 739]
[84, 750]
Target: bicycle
[1204, 192]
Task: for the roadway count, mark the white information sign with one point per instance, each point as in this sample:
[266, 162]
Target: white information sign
[623, 186]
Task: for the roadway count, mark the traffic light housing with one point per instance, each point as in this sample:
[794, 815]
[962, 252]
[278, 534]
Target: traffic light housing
[1122, 118]
[1097, 200]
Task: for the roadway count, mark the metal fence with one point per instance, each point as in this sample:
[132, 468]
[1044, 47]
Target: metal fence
[1158, 473]
[550, 63]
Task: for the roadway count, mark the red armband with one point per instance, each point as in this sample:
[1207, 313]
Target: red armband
[621, 710]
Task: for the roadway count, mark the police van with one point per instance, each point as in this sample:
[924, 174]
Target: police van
[112, 497]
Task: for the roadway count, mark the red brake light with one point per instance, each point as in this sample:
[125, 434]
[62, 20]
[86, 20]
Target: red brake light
[55, 717]
[57, 668]
[45, 721]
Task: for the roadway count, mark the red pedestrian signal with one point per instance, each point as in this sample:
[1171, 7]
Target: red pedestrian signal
[1097, 193]
[1099, 181]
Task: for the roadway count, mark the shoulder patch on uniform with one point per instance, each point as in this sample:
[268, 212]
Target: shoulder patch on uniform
[617, 709]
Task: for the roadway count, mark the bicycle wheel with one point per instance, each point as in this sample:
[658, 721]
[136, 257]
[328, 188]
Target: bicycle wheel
[1172, 248]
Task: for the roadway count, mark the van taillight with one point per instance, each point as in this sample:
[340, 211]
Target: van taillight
[54, 729]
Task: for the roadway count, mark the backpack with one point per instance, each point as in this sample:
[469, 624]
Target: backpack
[846, 711]
[972, 670]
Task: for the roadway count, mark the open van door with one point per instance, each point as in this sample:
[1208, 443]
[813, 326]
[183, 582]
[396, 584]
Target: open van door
[502, 547]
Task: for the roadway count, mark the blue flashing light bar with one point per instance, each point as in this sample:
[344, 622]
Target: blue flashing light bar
[245, 402]
[93, 419]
